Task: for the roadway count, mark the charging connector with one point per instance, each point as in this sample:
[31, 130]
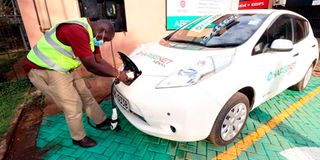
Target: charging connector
[130, 75]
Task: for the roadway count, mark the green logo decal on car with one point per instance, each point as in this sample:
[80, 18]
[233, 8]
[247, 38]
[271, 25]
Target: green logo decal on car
[162, 61]
[283, 70]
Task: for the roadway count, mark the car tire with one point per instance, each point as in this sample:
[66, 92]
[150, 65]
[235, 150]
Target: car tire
[230, 120]
[301, 85]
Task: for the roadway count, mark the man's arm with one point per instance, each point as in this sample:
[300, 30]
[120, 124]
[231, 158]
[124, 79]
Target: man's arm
[98, 57]
[97, 65]
[78, 39]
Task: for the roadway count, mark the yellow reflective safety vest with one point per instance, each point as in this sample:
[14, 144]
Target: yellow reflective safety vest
[51, 54]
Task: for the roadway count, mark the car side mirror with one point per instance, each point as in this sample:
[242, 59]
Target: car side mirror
[281, 45]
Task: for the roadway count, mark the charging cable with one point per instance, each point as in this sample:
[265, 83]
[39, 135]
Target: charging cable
[114, 121]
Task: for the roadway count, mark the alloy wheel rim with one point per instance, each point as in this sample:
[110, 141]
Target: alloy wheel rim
[233, 121]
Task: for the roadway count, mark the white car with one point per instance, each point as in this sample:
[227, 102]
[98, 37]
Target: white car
[202, 80]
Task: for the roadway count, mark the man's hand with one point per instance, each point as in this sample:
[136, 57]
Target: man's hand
[100, 67]
[124, 78]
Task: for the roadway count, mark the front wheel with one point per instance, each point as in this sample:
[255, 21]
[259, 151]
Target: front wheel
[301, 85]
[230, 120]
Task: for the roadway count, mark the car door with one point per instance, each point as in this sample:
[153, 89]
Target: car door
[273, 67]
[303, 46]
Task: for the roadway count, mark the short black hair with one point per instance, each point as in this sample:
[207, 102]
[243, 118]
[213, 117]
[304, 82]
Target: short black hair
[105, 25]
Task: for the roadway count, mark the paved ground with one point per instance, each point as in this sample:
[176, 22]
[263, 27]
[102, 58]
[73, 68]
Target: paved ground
[278, 129]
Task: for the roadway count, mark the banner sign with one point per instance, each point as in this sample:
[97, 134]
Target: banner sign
[180, 12]
[253, 4]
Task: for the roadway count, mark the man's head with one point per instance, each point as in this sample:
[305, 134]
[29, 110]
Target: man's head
[103, 29]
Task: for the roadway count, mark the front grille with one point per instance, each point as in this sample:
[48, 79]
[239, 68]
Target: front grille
[123, 102]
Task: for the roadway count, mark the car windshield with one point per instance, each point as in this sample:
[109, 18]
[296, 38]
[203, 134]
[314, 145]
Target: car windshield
[219, 30]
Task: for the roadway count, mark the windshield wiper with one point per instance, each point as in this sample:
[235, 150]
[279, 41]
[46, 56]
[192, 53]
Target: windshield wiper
[224, 45]
[184, 41]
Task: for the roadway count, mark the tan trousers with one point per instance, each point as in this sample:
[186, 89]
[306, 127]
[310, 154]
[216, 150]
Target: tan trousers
[71, 95]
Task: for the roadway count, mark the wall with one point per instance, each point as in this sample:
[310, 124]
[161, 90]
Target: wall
[145, 21]
[57, 12]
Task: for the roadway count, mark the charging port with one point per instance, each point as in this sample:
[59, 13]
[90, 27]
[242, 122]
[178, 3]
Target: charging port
[130, 67]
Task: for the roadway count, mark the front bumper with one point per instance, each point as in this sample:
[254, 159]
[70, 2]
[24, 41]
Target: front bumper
[180, 114]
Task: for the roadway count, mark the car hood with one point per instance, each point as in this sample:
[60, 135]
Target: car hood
[154, 59]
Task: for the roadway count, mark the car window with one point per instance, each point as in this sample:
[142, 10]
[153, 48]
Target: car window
[219, 30]
[280, 29]
[300, 29]
[262, 44]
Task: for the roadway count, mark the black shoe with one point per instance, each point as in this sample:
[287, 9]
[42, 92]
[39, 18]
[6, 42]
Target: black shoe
[86, 142]
[105, 124]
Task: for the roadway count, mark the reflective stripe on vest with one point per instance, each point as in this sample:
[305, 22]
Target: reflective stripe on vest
[48, 61]
[59, 48]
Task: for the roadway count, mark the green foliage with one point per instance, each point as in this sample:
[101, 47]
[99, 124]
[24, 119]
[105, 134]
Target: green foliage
[11, 94]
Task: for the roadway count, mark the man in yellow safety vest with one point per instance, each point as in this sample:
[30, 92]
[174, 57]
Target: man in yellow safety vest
[51, 62]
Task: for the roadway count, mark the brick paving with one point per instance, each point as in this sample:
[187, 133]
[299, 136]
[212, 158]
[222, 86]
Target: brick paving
[298, 130]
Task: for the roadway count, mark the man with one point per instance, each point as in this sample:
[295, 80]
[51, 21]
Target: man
[50, 66]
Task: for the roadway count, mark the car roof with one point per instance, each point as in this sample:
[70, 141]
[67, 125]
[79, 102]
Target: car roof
[261, 11]
[264, 11]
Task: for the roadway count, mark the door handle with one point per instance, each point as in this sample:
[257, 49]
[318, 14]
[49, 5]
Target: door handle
[295, 55]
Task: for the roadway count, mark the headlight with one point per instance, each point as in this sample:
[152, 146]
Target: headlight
[190, 75]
